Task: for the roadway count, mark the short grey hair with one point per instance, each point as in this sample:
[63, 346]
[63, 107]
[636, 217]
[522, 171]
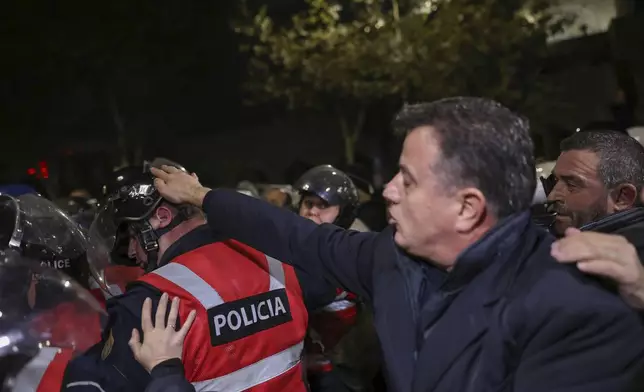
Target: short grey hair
[621, 157]
[483, 144]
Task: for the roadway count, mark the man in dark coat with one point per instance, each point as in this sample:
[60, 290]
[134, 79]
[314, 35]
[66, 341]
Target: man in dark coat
[599, 177]
[466, 295]
[599, 181]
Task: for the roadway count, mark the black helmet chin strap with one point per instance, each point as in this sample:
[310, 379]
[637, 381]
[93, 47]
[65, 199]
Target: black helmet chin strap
[149, 239]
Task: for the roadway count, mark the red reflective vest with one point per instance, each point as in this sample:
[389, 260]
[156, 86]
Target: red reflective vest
[46, 370]
[117, 278]
[328, 326]
[251, 319]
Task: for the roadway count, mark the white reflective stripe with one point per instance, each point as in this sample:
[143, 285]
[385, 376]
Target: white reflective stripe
[183, 277]
[276, 272]
[85, 384]
[114, 291]
[255, 374]
[30, 376]
[339, 305]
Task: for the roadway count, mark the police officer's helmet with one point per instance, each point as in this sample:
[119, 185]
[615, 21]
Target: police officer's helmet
[136, 196]
[126, 210]
[334, 187]
[37, 229]
[123, 176]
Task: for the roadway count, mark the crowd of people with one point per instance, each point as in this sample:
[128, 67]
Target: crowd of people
[484, 278]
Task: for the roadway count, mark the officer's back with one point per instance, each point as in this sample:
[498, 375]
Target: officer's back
[251, 318]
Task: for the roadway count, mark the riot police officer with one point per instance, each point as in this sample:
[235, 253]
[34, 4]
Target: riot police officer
[249, 306]
[328, 195]
[37, 229]
[46, 318]
[34, 229]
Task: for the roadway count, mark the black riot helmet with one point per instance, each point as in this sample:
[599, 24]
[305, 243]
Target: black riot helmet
[119, 178]
[125, 212]
[123, 176]
[334, 187]
[36, 228]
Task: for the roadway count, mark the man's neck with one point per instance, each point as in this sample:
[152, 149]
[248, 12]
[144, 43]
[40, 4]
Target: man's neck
[449, 251]
[179, 231]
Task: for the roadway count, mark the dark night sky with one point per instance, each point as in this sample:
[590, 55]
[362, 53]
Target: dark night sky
[64, 63]
[169, 70]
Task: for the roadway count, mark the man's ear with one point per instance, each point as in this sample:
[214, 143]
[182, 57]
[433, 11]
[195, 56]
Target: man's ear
[472, 211]
[164, 216]
[624, 196]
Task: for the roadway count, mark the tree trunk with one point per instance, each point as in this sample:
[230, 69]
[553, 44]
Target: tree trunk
[351, 133]
[349, 151]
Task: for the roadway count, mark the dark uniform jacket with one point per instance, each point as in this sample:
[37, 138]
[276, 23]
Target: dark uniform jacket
[506, 318]
[629, 223]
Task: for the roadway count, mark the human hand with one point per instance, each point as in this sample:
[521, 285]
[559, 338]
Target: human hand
[161, 342]
[607, 255]
[178, 186]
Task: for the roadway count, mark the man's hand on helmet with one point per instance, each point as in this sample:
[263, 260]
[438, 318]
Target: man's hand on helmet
[607, 255]
[179, 187]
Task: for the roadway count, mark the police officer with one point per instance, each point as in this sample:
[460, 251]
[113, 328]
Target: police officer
[39, 334]
[328, 195]
[36, 230]
[250, 314]
[49, 230]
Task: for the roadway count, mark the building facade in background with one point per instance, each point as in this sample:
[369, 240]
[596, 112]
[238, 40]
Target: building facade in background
[598, 66]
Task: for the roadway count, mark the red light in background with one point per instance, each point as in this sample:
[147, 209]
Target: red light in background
[31, 171]
[44, 171]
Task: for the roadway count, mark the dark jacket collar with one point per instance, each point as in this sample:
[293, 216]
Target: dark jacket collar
[500, 244]
[196, 238]
[617, 221]
[497, 246]
[629, 223]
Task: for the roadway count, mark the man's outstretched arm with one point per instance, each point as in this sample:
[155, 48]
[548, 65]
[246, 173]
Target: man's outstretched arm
[343, 257]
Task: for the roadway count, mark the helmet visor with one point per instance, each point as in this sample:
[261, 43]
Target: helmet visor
[40, 230]
[102, 237]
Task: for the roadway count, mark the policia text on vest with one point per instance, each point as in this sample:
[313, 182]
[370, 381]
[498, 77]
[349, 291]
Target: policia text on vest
[234, 320]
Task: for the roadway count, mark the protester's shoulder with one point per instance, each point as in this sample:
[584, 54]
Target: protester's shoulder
[547, 288]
